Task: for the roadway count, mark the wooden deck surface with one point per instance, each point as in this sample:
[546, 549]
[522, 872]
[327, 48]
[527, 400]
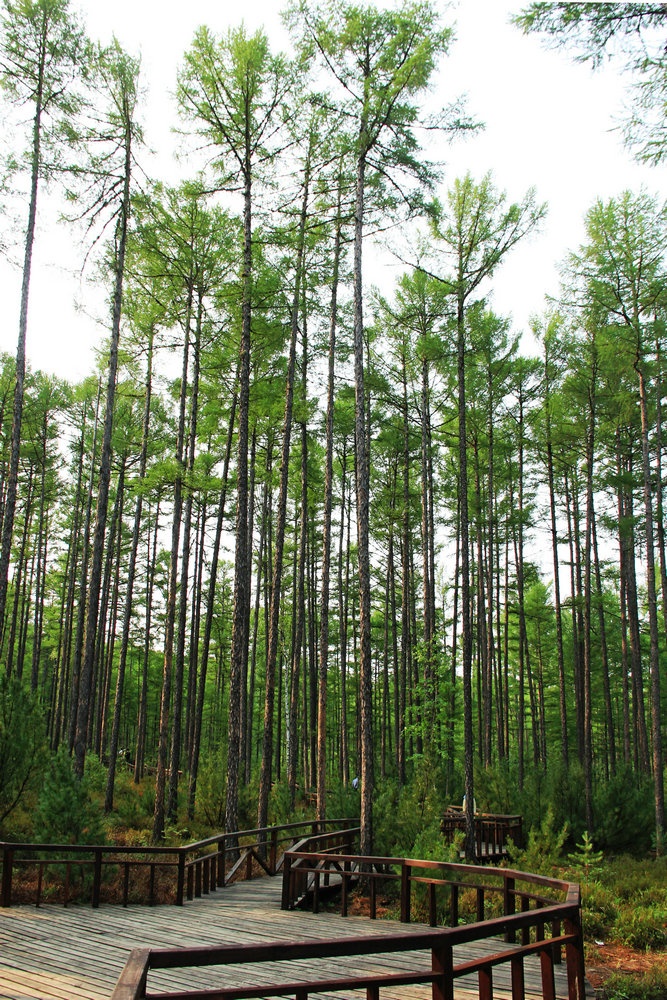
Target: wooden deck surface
[77, 953]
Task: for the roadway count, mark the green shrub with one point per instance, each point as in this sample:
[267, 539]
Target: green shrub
[642, 927]
[430, 845]
[211, 789]
[134, 804]
[544, 849]
[402, 813]
[65, 813]
[624, 812]
[558, 789]
[248, 796]
[343, 801]
[22, 745]
[96, 775]
[599, 912]
[280, 804]
[650, 985]
[496, 788]
[388, 836]
[630, 877]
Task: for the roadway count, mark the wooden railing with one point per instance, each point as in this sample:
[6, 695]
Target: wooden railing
[437, 968]
[64, 873]
[493, 832]
[442, 886]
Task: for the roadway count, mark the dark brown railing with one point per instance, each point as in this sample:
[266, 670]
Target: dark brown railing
[39, 873]
[442, 886]
[544, 927]
[492, 832]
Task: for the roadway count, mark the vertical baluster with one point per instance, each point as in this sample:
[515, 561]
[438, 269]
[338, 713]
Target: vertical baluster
[405, 893]
[454, 906]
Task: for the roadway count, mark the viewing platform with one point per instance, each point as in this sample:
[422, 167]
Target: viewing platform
[493, 832]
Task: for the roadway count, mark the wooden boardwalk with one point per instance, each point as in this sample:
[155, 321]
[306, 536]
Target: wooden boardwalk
[77, 953]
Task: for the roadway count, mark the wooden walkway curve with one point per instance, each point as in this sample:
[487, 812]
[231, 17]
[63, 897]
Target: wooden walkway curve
[77, 953]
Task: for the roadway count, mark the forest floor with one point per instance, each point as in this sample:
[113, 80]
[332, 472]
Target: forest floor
[605, 960]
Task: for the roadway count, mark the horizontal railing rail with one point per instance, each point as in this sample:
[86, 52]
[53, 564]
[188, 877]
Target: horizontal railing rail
[39, 873]
[438, 967]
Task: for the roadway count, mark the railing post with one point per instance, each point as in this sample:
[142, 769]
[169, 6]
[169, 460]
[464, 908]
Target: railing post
[509, 905]
[518, 977]
[40, 879]
[222, 863]
[485, 983]
[68, 873]
[454, 907]
[480, 902]
[548, 982]
[316, 892]
[432, 909]
[574, 959]
[345, 875]
[442, 964]
[555, 931]
[287, 881]
[525, 933]
[151, 885]
[126, 883]
[273, 858]
[405, 893]
[7, 871]
[180, 878]
[97, 876]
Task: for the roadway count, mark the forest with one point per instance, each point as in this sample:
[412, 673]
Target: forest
[283, 536]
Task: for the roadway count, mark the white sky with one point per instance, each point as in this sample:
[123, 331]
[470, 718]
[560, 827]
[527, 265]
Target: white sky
[549, 124]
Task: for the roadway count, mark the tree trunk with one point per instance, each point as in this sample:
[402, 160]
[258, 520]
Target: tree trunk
[210, 609]
[326, 521]
[281, 516]
[652, 601]
[19, 375]
[362, 476]
[85, 682]
[129, 585]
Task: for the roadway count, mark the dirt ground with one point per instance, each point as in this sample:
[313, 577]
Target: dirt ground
[603, 960]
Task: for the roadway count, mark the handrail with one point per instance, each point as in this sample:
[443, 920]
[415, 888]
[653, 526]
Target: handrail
[304, 871]
[181, 872]
[440, 972]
